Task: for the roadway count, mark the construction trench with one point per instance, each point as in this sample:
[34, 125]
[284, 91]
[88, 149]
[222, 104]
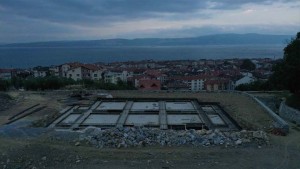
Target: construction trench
[178, 114]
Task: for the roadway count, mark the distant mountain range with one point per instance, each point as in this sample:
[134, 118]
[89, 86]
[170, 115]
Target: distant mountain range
[218, 39]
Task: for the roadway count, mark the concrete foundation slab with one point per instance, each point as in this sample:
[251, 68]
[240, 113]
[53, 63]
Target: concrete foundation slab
[101, 119]
[179, 106]
[69, 120]
[145, 106]
[216, 119]
[142, 120]
[207, 108]
[162, 113]
[111, 106]
[183, 119]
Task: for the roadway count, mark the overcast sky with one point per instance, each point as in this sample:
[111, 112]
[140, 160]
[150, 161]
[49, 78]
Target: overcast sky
[46, 20]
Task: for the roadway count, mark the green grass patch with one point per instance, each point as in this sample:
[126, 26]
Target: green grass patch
[293, 101]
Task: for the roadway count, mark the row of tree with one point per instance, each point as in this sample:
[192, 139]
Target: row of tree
[53, 82]
[286, 73]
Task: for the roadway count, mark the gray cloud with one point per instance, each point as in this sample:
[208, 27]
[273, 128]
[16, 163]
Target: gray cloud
[93, 10]
[34, 20]
[74, 11]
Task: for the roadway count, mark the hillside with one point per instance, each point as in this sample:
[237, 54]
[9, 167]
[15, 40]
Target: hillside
[218, 39]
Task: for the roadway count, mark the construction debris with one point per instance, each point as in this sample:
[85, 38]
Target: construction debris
[141, 136]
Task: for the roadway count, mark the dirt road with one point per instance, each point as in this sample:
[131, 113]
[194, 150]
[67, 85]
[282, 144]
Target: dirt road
[283, 154]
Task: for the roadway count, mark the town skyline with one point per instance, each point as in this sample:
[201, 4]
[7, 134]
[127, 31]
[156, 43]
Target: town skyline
[189, 75]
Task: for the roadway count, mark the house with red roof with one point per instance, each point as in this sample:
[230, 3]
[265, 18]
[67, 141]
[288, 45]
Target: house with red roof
[83, 71]
[156, 74]
[149, 84]
[216, 84]
[7, 74]
[195, 83]
[177, 85]
[115, 75]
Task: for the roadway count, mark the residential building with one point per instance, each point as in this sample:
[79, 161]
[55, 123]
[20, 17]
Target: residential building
[54, 70]
[149, 84]
[195, 83]
[40, 71]
[217, 84]
[246, 79]
[6, 74]
[78, 73]
[84, 71]
[113, 76]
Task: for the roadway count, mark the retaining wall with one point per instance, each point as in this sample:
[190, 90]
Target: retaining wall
[279, 122]
[289, 113]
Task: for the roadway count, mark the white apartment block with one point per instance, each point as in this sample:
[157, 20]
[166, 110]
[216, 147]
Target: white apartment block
[196, 84]
[115, 76]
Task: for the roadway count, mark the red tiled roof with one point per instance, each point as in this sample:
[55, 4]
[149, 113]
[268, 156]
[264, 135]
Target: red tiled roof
[216, 81]
[177, 85]
[7, 70]
[196, 77]
[73, 64]
[92, 67]
[86, 66]
[149, 84]
[152, 72]
[140, 77]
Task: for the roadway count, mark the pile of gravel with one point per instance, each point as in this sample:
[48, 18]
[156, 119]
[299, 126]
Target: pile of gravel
[141, 136]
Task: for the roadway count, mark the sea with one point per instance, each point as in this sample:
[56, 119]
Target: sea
[27, 57]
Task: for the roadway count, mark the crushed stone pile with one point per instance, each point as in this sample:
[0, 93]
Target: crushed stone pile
[141, 136]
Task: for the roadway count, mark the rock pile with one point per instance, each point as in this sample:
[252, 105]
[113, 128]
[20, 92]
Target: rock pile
[140, 136]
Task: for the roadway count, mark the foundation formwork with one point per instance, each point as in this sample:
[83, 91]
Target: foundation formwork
[158, 113]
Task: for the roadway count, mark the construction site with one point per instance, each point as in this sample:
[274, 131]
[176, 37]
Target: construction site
[159, 129]
[180, 114]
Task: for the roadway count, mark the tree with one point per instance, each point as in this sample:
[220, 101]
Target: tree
[287, 72]
[248, 65]
[4, 85]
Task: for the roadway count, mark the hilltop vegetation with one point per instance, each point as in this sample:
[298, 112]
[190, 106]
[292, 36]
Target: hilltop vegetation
[286, 73]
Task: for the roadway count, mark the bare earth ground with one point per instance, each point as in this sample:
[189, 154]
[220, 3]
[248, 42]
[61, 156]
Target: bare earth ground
[23, 100]
[283, 153]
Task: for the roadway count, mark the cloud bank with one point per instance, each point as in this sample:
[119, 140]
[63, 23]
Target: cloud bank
[45, 20]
